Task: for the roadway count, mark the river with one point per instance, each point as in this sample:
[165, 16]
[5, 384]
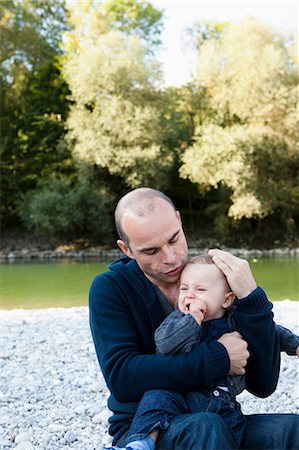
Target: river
[65, 283]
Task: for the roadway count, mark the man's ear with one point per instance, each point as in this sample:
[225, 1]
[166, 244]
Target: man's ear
[229, 299]
[124, 248]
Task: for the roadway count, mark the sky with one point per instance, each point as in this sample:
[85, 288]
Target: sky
[179, 14]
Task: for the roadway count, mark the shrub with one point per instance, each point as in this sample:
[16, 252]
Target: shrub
[60, 209]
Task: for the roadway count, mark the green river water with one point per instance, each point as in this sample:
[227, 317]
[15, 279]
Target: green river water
[66, 283]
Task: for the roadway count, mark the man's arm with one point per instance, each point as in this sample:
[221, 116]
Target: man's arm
[254, 321]
[289, 342]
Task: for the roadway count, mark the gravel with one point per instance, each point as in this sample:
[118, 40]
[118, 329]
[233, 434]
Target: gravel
[53, 395]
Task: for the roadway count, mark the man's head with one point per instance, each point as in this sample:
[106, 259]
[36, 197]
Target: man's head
[150, 231]
[139, 202]
[202, 280]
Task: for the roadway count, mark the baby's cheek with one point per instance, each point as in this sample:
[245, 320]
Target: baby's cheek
[181, 305]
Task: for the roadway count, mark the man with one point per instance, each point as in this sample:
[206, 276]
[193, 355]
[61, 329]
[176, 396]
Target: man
[130, 301]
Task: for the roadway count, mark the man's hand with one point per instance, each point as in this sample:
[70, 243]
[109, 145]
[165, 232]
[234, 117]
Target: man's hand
[237, 351]
[236, 270]
[297, 351]
[198, 309]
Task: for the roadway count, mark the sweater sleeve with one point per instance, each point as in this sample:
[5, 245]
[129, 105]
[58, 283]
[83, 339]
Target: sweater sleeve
[123, 334]
[177, 333]
[288, 341]
[254, 320]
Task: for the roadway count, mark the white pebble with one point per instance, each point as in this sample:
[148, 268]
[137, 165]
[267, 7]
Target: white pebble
[70, 437]
[80, 409]
[25, 445]
[97, 387]
[23, 437]
[101, 417]
[97, 418]
[107, 440]
[56, 427]
[28, 406]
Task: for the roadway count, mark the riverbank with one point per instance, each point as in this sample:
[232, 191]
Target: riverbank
[16, 247]
[54, 396]
[70, 252]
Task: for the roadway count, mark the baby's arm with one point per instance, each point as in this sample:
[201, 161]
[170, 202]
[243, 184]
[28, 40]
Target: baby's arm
[178, 333]
[288, 341]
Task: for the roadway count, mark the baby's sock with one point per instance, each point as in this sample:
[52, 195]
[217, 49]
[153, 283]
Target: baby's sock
[143, 444]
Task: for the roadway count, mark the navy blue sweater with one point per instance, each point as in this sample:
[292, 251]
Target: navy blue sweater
[124, 314]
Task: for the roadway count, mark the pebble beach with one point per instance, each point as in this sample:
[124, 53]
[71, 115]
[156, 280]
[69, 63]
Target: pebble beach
[53, 395]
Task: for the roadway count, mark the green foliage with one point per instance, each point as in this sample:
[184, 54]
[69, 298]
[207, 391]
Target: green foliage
[31, 31]
[84, 121]
[115, 121]
[201, 32]
[134, 16]
[32, 131]
[62, 210]
[250, 141]
[34, 102]
[256, 167]
[92, 18]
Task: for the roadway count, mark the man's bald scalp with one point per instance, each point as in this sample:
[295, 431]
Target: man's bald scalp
[139, 202]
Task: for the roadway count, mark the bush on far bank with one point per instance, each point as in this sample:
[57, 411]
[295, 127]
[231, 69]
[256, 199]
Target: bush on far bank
[61, 210]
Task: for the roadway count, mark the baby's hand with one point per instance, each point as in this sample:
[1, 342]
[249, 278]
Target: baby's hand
[198, 309]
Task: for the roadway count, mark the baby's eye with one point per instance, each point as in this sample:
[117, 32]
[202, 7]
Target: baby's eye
[200, 289]
[183, 288]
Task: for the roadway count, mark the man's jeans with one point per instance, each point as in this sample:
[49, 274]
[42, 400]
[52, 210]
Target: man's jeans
[158, 408]
[208, 431]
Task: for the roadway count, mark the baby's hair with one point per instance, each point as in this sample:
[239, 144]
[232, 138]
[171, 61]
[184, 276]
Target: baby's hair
[200, 259]
[203, 259]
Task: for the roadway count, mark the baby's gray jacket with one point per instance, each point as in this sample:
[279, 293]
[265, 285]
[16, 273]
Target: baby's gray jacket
[179, 332]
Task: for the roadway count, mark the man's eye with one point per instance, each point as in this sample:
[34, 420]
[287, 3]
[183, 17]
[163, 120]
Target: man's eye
[150, 252]
[174, 240]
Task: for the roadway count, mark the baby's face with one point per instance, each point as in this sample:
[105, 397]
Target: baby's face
[204, 282]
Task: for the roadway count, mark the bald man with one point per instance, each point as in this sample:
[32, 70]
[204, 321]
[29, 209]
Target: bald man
[132, 299]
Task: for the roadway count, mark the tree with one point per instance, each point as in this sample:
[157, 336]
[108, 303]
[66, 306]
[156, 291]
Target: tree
[115, 121]
[34, 102]
[92, 18]
[201, 32]
[249, 144]
[31, 33]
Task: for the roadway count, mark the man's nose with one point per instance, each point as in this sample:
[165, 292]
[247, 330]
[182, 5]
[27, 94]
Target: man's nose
[168, 255]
